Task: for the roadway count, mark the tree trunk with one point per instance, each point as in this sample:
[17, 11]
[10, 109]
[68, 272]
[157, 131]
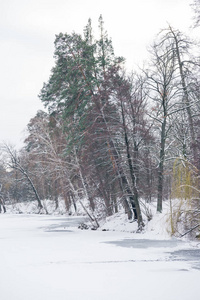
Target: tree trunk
[35, 192]
[2, 204]
[134, 199]
[186, 99]
[161, 166]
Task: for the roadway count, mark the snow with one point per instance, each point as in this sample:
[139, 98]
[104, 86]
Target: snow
[48, 257]
[156, 228]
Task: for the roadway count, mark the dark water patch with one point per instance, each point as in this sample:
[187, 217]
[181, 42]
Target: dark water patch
[61, 224]
[189, 255]
[146, 243]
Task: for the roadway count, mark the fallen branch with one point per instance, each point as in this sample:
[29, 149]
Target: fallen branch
[190, 230]
[92, 219]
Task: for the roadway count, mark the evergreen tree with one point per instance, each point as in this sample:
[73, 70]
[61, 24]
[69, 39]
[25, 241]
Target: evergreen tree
[82, 88]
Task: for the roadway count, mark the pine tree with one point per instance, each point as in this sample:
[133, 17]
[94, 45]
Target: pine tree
[82, 88]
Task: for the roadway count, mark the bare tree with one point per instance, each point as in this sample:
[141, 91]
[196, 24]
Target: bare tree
[196, 8]
[163, 104]
[14, 162]
[181, 48]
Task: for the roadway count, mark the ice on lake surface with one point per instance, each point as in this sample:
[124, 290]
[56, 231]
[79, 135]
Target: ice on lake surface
[48, 257]
[189, 255]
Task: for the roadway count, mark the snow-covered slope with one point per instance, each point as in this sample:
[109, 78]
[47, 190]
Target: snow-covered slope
[158, 227]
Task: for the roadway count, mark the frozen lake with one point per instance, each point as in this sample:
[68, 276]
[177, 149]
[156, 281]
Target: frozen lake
[49, 258]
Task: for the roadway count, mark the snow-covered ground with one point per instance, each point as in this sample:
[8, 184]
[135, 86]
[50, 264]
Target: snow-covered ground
[46, 257]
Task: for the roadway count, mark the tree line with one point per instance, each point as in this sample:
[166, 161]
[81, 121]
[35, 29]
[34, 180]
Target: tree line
[111, 138]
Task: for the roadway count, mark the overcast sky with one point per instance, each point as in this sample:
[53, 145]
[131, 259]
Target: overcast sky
[27, 33]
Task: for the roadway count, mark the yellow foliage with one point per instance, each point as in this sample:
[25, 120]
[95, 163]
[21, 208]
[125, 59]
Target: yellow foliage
[185, 191]
[185, 181]
[7, 186]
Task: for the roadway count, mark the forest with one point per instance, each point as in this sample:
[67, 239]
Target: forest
[109, 139]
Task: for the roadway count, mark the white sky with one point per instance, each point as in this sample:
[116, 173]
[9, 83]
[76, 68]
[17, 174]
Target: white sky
[27, 33]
